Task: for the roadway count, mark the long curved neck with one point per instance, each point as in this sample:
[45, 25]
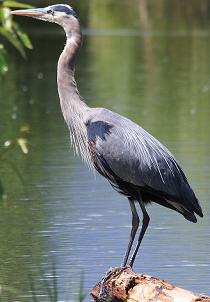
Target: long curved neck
[71, 102]
[73, 107]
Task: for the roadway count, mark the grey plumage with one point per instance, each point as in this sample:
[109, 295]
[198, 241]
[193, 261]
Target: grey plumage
[137, 158]
[135, 163]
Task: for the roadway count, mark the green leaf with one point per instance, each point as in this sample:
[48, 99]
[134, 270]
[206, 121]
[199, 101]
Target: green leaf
[16, 4]
[23, 36]
[12, 38]
[3, 64]
[6, 18]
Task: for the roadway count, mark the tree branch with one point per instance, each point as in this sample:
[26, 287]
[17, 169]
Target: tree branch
[122, 284]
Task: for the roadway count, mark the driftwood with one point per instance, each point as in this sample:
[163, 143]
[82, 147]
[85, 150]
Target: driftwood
[122, 284]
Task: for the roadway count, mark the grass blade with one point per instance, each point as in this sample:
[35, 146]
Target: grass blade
[15, 169]
[1, 189]
[55, 285]
[82, 294]
[33, 289]
[46, 286]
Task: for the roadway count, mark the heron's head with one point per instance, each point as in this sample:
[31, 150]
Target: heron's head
[61, 14]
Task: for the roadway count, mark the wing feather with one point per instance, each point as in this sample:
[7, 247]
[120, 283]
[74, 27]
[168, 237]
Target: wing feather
[138, 158]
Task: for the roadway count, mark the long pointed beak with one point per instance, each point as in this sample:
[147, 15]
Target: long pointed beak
[35, 12]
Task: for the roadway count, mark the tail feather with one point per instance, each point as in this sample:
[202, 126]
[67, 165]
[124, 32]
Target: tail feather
[197, 209]
[192, 203]
[187, 195]
[187, 213]
[190, 216]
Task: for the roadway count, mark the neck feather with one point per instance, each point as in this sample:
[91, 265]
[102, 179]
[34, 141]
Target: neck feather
[70, 99]
[73, 107]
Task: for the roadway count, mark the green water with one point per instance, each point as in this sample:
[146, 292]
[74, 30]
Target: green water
[150, 64]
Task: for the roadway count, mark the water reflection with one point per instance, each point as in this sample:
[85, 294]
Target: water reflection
[158, 78]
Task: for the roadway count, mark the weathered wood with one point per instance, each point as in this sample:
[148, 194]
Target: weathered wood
[122, 284]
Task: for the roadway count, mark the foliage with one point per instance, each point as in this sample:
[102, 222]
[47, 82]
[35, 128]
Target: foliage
[11, 31]
[51, 288]
[9, 145]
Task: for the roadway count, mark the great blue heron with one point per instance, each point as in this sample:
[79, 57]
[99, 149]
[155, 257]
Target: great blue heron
[135, 163]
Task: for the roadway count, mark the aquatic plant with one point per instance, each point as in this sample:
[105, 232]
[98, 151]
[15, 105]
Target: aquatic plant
[74, 290]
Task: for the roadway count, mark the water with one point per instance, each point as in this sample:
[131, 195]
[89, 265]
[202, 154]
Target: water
[63, 213]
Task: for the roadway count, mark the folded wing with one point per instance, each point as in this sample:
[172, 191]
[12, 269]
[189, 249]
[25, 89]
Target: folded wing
[136, 157]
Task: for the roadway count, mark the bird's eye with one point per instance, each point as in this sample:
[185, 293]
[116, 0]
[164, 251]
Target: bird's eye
[51, 12]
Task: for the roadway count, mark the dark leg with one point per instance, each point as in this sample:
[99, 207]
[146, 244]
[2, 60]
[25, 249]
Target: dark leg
[145, 223]
[135, 224]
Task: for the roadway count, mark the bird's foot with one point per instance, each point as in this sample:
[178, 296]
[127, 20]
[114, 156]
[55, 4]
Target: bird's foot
[127, 266]
[117, 271]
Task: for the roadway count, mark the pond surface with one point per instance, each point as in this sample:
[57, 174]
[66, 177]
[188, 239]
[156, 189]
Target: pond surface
[63, 214]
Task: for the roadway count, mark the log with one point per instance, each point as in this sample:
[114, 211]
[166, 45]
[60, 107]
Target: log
[122, 284]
